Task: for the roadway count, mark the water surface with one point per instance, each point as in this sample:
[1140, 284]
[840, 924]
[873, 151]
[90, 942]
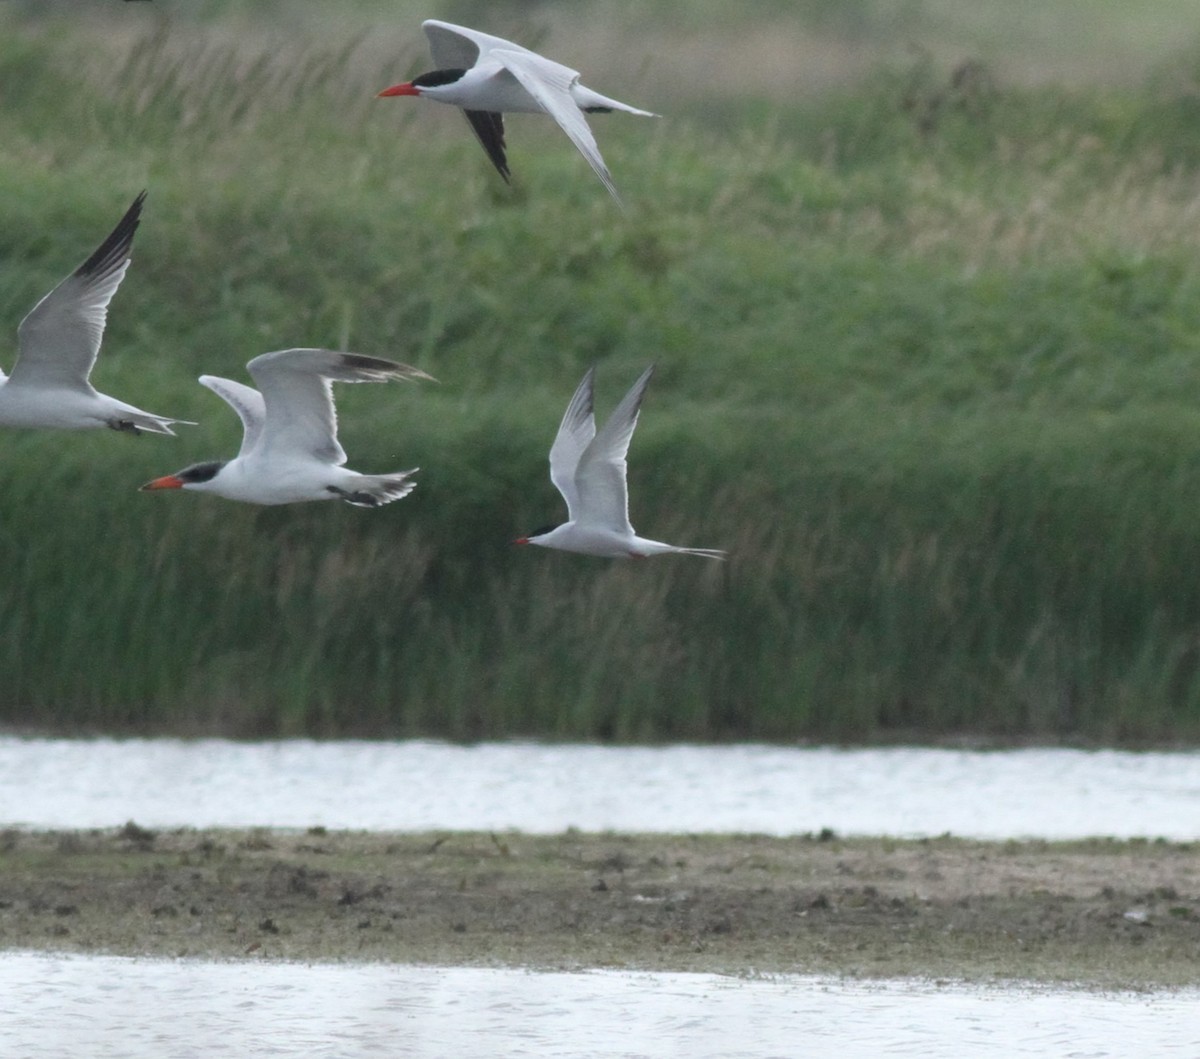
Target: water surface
[101, 1007]
[541, 788]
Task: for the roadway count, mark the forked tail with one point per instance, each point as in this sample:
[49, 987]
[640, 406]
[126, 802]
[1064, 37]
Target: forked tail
[134, 421]
[708, 553]
[375, 490]
[643, 547]
[593, 102]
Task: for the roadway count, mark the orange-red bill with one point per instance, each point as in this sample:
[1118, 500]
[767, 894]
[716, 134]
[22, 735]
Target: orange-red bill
[405, 89]
[167, 481]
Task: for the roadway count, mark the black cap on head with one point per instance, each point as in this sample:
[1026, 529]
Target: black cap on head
[200, 472]
[437, 77]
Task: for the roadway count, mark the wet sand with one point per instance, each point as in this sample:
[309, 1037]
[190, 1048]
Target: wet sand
[1103, 913]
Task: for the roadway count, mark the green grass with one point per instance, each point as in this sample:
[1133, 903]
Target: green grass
[928, 369]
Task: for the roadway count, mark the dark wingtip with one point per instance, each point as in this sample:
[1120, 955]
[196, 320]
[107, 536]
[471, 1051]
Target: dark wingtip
[364, 363]
[115, 249]
[590, 378]
[391, 369]
[488, 127]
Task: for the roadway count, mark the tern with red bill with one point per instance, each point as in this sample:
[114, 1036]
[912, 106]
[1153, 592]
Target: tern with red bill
[290, 451]
[589, 469]
[57, 345]
[488, 76]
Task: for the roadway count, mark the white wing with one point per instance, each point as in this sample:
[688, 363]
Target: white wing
[246, 401]
[600, 477]
[575, 432]
[296, 389]
[550, 84]
[59, 339]
[459, 48]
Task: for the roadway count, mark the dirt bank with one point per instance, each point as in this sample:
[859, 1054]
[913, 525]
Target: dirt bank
[1106, 913]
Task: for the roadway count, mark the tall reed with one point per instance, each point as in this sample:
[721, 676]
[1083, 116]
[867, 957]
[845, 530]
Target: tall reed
[930, 383]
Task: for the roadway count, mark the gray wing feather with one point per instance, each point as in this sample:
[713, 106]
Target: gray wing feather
[601, 476]
[59, 339]
[297, 391]
[550, 84]
[298, 405]
[460, 47]
[575, 433]
[246, 401]
[453, 47]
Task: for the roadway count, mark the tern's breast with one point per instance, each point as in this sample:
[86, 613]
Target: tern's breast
[489, 87]
[276, 481]
[23, 406]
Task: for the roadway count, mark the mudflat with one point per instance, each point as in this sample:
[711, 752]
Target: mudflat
[1103, 913]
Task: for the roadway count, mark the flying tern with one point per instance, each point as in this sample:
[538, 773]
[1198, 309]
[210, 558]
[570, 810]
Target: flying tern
[588, 468]
[290, 451]
[57, 344]
[487, 76]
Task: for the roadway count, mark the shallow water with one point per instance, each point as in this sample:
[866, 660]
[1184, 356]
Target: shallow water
[543, 788]
[54, 1006]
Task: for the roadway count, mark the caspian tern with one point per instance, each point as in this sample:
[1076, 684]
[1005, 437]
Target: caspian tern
[588, 468]
[290, 451]
[487, 76]
[57, 344]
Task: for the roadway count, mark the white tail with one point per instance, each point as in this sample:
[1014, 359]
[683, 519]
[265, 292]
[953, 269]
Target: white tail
[587, 99]
[136, 422]
[375, 490]
[708, 553]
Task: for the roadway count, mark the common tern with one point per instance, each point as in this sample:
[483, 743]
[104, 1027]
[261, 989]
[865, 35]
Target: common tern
[588, 468]
[57, 344]
[290, 451]
[488, 76]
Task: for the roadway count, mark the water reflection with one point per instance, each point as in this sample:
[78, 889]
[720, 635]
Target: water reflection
[100, 1007]
[546, 788]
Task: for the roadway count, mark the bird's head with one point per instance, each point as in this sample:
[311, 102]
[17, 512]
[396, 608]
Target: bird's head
[426, 84]
[190, 477]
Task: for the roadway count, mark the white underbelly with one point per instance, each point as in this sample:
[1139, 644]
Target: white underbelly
[275, 483]
[56, 409]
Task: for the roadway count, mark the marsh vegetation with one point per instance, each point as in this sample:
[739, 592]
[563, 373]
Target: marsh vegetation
[927, 323]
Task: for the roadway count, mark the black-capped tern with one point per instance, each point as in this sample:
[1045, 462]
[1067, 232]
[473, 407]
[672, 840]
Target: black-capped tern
[290, 451]
[588, 467]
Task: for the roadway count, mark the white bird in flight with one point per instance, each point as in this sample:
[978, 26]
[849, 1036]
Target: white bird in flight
[487, 76]
[57, 344]
[290, 451]
[588, 468]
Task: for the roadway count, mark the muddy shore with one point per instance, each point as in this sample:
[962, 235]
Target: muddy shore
[1104, 913]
